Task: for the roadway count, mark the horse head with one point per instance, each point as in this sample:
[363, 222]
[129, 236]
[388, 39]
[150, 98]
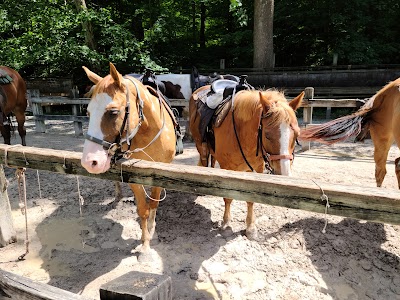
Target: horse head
[173, 91]
[279, 130]
[112, 118]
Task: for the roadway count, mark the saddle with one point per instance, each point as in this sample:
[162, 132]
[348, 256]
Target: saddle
[148, 78]
[213, 105]
[4, 77]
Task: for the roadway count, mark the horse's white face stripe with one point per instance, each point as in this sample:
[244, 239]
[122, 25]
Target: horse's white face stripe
[97, 108]
[284, 142]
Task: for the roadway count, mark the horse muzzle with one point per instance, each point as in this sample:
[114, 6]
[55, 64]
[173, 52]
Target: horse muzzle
[95, 159]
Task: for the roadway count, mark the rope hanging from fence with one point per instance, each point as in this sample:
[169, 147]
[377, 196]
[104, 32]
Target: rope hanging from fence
[324, 197]
[20, 174]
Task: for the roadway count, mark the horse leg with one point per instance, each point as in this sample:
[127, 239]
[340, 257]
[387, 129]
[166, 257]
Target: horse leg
[226, 221]
[204, 155]
[382, 145]
[6, 133]
[143, 210]
[397, 170]
[20, 116]
[251, 229]
[155, 194]
[396, 133]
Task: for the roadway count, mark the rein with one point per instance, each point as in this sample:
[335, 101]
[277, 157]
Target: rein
[266, 156]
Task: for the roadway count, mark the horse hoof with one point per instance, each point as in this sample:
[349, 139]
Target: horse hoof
[145, 257]
[252, 234]
[226, 231]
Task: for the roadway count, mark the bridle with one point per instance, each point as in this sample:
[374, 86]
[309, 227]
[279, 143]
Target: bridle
[267, 157]
[114, 149]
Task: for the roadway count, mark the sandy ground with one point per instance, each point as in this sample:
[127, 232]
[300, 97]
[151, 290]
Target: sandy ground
[292, 259]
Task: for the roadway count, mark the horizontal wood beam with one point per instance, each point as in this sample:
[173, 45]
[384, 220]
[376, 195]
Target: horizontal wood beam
[331, 103]
[62, 117]
[16, 287]
[59, 100]
[359, 202]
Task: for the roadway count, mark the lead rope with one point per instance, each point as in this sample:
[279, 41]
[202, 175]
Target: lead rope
[324, 197]
[20, 174]
[147, 195]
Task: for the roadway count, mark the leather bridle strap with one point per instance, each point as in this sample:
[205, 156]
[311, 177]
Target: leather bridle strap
[237, 138]
[280, 156]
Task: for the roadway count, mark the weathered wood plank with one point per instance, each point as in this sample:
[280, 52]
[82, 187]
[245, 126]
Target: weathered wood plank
[15, 287]
[61, 117]
[331, 103]
[360, 202]
[58, 100]
[138, 286]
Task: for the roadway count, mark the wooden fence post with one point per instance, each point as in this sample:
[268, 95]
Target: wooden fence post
[307, 113]
[37, 110]
[7, 231]
[77, 124]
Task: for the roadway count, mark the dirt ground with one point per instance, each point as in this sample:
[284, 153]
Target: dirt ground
[292, 259]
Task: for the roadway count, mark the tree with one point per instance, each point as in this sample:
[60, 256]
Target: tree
[263, 43]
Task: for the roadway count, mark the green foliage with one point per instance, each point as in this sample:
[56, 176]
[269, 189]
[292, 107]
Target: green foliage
[47, 37]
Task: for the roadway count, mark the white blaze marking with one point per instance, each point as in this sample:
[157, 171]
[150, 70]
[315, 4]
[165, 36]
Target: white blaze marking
[96, 108]
[284, 142]
[94, 158]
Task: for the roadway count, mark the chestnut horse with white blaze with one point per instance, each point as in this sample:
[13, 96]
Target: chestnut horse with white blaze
[380, 116]
[259, 131]
[125, 118]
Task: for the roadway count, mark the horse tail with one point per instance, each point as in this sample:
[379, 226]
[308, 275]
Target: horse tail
[337, 130]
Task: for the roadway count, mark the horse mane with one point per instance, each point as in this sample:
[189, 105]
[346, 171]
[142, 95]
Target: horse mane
[354, 125]
[271, 101]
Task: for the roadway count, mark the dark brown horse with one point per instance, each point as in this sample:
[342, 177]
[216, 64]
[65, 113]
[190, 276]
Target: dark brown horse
[380, 116]
[12, 100]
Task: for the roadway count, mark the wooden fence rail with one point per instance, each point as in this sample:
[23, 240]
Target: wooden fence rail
[15, 287]
[40, 117]
[359, 202]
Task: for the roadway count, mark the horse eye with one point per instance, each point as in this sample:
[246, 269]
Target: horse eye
[113, 112]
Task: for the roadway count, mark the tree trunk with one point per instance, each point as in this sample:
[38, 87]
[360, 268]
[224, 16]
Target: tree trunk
[87, 26]
[263, 34]
[194, 27]
[202, 25]
[7, 231]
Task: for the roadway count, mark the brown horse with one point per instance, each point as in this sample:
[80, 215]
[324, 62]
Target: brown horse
[380, 116]
[126, 118]
[259, 131]
[12, 100]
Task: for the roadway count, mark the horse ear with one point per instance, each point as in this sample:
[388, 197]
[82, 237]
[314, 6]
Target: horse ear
[115, 75]
[296, 102]
[265, 103]
[93, 77]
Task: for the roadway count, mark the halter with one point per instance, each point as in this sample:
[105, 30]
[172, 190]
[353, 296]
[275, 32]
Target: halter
[266, 156]
[114, 149]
